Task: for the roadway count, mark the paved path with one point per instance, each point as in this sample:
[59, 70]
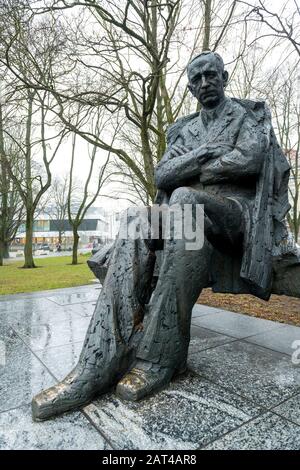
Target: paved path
[242, 390]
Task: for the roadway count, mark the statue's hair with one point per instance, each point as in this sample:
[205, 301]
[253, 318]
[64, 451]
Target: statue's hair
[217, 56]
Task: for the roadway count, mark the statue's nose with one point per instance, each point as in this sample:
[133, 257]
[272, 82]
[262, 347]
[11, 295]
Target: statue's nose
[204, 82]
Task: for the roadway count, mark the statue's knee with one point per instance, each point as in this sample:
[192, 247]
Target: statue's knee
[186, 195]
[182, 195]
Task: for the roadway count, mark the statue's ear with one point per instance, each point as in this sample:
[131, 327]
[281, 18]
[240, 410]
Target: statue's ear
[225, 78]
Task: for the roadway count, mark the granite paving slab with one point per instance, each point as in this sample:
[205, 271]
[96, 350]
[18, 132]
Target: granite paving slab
[85, 309]
[190, 412]
[202, 310]
[280, 339]
[216, 405]
[22, 375]
[234, 324]
[24, 305]
[60, 360]
[48, 335]
[75, 298]
[46, 293]
[264, 376]
[43, 312]
[201, 339]
[268, 432]
[71, 431]
[290, 409]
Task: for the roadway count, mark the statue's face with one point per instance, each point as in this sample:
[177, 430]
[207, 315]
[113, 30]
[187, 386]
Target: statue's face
[207, 80]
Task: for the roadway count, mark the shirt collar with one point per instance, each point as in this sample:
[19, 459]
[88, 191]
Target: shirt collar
[208, 115]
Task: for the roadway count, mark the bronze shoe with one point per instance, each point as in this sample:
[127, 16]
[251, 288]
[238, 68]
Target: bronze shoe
[140, 382]
[76, 390]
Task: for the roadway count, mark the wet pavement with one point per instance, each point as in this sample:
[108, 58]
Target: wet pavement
[242, 389]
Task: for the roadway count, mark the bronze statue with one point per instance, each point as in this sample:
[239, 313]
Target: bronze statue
[226, 157]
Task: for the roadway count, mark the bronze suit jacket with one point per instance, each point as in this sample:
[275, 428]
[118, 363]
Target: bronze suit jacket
[246, 126]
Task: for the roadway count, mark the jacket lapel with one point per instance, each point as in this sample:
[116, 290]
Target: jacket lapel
[210, 134]
[197, 129]
[222, 121]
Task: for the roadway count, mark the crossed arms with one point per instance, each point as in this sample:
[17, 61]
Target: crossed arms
[214, 162]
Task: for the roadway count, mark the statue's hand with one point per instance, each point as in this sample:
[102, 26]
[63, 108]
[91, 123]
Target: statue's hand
[218, 149]
[202, 153]
[178, 150]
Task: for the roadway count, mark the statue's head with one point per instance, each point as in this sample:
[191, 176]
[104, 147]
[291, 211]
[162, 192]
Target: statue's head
[207, 78]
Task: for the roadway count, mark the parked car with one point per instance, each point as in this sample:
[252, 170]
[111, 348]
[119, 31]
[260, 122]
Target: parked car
[42, 247]
[45, 247]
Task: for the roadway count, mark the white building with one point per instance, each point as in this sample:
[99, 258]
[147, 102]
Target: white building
[96, 226]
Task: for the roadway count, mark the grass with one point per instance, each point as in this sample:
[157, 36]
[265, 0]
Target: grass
[55, 273]
[51, 273]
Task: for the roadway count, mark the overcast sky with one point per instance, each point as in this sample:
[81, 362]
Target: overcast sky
[62, 162]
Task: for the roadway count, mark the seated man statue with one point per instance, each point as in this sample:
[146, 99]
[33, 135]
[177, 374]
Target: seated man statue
[226, 159]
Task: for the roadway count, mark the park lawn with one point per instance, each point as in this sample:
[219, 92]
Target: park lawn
[51, 273]
[57, 272]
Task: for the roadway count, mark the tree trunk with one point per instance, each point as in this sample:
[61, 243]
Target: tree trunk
[1, 252]
[75, 246]
[148, 162]
[207, 31]
[29, 262]
[297, 230]
[207, 25]
[296, 221]
[6, 250]
[4, 191]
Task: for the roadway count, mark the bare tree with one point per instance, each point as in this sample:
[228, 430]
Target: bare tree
[129, 57]
[282, 19]
[32, 129]
[57, 204]
[30, 185]
[11, 204]
[94, 181]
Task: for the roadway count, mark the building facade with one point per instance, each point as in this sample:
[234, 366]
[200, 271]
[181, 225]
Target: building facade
[95, 227]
